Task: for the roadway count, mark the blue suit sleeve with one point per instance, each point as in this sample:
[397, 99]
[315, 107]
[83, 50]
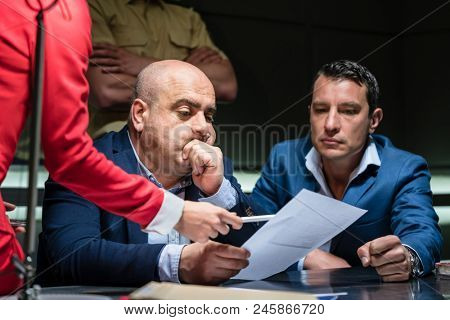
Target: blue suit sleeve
[243, 208]
[265, 197]
[74, 247]
[414, 220]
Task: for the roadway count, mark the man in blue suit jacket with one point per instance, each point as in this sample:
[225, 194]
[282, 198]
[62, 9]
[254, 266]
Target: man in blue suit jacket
[168, 140]
[399, 234]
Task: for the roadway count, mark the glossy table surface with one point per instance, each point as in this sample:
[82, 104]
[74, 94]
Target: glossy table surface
[342, 284]
[353, 283]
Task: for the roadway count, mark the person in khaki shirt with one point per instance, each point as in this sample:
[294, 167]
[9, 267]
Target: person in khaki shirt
[128, 35]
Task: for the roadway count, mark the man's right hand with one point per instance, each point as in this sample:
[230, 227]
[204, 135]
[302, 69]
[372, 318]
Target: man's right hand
[211, 263]
[319, 259]
[201, 221]
[388, 256]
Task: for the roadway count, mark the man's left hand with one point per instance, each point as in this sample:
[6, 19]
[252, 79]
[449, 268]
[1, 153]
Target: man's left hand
[388, 256]
[207, 165]
[113, 59]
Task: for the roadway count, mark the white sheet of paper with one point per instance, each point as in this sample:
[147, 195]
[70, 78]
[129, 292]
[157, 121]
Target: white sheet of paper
[305, 223]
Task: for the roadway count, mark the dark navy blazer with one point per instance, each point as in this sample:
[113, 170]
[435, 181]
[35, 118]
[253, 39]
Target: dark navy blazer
[83, 244]
[397, 196]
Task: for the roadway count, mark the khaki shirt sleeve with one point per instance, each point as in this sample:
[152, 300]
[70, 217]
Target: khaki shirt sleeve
[200, 35]
[100, 30]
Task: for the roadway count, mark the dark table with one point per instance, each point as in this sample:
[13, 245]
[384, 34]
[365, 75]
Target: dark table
[352, 283]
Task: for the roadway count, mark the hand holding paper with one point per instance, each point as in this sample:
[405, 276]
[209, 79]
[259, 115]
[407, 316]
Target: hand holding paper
[303, 224]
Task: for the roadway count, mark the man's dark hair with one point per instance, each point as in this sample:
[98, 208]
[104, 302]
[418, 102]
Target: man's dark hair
[353, 71]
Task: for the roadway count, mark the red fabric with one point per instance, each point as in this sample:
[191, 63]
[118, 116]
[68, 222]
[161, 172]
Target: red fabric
[9, 246]
[70, 156]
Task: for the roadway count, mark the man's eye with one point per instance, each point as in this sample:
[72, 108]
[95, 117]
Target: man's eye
[184, 113]
[210, 119]
[349, 112]
[320, 110]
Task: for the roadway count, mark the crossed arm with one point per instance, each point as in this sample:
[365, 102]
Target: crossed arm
[113, 71]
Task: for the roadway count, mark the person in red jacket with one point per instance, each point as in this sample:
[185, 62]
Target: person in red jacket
[71, 158]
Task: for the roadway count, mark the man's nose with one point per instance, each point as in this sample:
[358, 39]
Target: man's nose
[332, 123]
[200, 126]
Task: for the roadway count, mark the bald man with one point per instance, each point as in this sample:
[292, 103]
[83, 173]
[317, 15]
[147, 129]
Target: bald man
[168, 140]
[71, 158]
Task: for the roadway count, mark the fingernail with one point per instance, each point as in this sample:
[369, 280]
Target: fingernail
[365, 261]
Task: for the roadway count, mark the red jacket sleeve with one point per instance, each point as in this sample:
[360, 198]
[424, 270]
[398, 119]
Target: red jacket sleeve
[70, 156]
[9, 246]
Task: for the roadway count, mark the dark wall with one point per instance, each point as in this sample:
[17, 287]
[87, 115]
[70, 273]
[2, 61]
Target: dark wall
[426, 64]
[276, 47]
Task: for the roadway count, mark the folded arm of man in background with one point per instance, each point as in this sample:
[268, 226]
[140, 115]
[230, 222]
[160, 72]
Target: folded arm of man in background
[128, 36]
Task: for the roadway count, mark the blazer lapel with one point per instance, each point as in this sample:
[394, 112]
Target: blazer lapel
[307, 180]
[360, 186]
[310, 183]
[192, 193]
[123, 156]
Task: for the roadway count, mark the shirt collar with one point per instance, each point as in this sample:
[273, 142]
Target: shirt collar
[370, 157]
[314, 163]
[185, 182]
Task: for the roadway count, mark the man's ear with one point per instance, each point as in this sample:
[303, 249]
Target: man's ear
[375, 119]
[139, 111]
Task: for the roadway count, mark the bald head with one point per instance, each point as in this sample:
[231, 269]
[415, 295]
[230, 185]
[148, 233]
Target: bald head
[163, 77]
[175, 104]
